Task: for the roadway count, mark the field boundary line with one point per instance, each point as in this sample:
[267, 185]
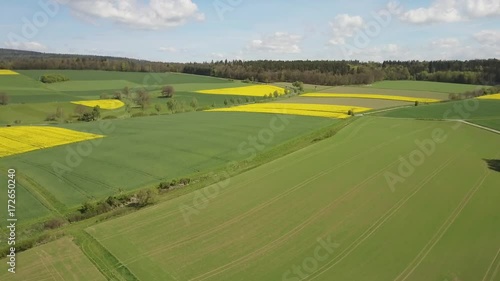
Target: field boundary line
[104, 269]
[385, 110]
[267, 203]
[442, 229]
[491, 267]
[380, 222]
[477, 126]
[299, 227]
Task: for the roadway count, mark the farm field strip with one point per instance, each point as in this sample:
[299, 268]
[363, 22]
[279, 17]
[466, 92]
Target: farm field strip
[176, 258]
[319, 110]
[284, 238]
[370, 96]
[234, 188]
[16, 140]
[251, 91]
[175, 228]
[441, 231]
[58, 260]
[380, 222]
[103, 104]
[102, 173]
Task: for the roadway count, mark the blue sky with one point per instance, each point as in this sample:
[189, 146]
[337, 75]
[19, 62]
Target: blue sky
[204, 30]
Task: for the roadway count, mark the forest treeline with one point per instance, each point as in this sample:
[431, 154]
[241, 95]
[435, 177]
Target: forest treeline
[322, 72]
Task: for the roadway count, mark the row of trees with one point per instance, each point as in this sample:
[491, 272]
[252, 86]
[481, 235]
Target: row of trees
[320, 72]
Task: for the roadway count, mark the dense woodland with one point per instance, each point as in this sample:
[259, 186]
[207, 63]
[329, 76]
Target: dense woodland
[312, 72]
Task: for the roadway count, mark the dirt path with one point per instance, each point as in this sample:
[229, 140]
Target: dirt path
[476, 125]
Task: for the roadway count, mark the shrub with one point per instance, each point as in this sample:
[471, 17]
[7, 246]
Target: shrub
[53, 78]
[110, 117]
[51, 117]
[139, 114]
[164, 186]
[54, 223]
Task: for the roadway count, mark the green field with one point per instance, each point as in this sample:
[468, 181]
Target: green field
[295, 188]
[58, 260]
[268, 221]
[32, 101]
[139, 152]
[482, 112]
[425, 86]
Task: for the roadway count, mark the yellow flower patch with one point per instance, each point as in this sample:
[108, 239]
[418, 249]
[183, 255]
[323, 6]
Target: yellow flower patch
[16, 140]
[103, 104]
[490, 97]
[370, 96]
[252, 91]
[318, 110]
[8, 72]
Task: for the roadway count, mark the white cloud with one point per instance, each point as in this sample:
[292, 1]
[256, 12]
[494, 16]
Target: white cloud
[446, 43]
[452, 11]
[27, 46]
[279, 42]
[168, 49]
[217, 55]
[482, 8]
[489, 38]
[439, 11]
[154, 15]
[345, 26]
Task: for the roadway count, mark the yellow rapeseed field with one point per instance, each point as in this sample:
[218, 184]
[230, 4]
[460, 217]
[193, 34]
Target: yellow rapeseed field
[104, 104]
[15, 140]
[318, 110]
[370, 96]
[8, 72]
[252, 91]
[490, 97]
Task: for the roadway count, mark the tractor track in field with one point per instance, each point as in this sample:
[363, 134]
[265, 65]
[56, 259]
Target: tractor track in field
[50, 171]
[285, 238]
[233, 188]
[267, 203]
[496, 259]
[379, 223]
[73, 173]
[408, 271]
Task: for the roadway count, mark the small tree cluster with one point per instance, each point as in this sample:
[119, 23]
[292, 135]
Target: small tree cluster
[299, 86]
[167, 92]
[144, 198]
[174, 183]
[53, 78]
[94, 115]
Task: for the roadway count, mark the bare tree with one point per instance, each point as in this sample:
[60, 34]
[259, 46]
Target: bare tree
[167, 91]
[143, 98]
[4, 99]
[80, 110]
